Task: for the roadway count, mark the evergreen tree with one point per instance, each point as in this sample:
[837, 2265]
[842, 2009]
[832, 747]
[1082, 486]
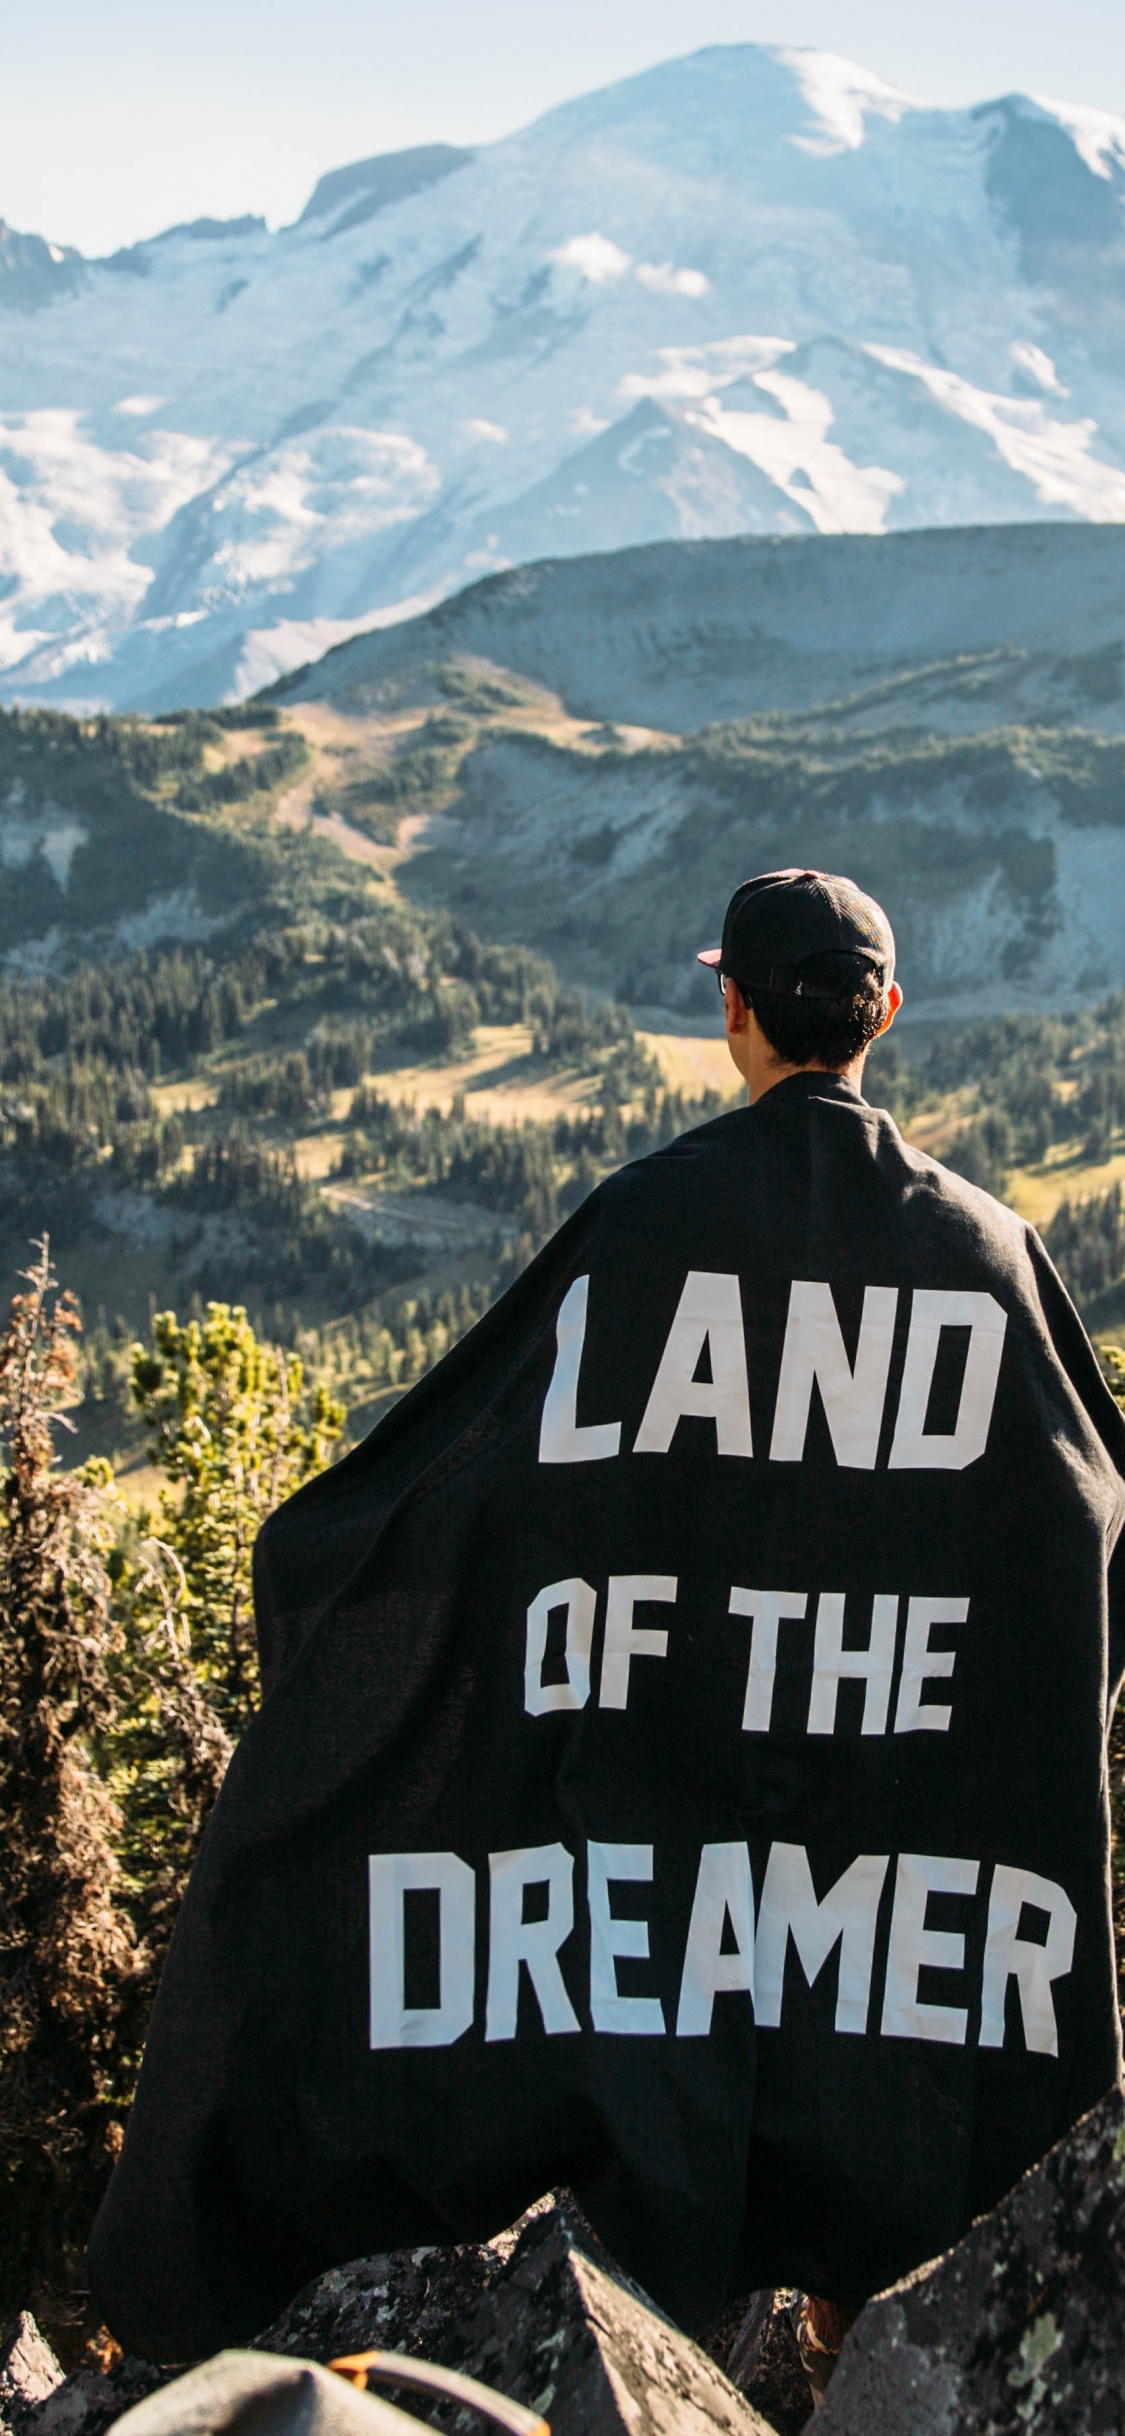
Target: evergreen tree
[235, 1432]
[68, 1966]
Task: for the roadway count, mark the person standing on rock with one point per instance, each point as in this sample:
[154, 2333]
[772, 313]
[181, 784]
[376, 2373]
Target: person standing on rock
[681, 1776]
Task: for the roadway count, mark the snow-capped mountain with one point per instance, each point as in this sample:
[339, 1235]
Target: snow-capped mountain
[752, 291]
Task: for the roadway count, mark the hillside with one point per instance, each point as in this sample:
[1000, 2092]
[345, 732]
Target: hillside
[236, 1063]
[583, 754]
[1001, 858]
[751, 291]
[111, 836]
[953, 631]
[577, 757]
[303, 1071]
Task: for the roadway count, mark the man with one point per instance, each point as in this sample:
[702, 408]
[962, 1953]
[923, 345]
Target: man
[682, 1775]
[795, 938]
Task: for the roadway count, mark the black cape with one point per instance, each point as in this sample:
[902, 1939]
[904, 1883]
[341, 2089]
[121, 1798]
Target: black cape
[576, 1620]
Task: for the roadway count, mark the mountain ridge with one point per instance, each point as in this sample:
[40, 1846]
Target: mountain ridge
[755, 289]
[685, 634]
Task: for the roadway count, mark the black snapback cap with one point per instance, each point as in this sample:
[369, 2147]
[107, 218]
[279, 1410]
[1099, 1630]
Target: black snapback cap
[776, 924]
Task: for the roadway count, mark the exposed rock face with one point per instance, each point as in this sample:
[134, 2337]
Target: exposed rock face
[29, 2372]
[1021, 2326]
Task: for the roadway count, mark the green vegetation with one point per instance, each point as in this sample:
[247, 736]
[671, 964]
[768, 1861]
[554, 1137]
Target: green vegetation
[1086, 772]
[234, 1428]
[67, 1955]
[81, 1119]
[177, 1095]
[112, 830]
[127, 1669]
[236, 781]
[233, 1435]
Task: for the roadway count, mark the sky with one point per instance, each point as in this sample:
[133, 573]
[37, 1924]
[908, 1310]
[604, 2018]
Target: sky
[120, 117]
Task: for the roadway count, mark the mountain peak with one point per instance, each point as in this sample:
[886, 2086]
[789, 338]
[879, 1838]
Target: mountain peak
[34, 272]
[754, 290]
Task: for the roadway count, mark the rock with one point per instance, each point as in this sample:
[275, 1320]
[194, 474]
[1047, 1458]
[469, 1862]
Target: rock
[90, 2400]
[29, 2372]
[1022, 2326]
[547, 2319]
[542, 2313]
[562, 2330]
[403, 2300]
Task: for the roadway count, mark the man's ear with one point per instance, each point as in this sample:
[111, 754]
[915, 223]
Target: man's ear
[894, 1001]
[735, 1009]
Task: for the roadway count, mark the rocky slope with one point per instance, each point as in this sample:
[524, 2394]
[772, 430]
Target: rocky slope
[1001, 858]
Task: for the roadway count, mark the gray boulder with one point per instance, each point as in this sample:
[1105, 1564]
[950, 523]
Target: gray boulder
[1022, 2326]
[90, 2400]
[402, 2300]
[547, 2319]
[398, 2302]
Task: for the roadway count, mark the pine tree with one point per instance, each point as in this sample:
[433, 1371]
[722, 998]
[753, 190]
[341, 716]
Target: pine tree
[68, 1965]
[235, 1432]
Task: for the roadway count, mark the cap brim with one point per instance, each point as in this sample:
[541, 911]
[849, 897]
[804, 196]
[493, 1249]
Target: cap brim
[710, 955]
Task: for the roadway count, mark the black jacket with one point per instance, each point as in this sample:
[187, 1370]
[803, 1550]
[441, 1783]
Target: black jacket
[560, 1722]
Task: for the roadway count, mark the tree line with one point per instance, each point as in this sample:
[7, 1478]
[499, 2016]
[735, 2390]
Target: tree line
[84, 1055]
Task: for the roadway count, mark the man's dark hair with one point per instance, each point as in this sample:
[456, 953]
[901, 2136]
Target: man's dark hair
[822, 1030]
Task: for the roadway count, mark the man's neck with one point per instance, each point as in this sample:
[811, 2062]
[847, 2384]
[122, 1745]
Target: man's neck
[767, 1072]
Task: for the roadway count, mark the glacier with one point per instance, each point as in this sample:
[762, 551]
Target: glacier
[755, 291]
